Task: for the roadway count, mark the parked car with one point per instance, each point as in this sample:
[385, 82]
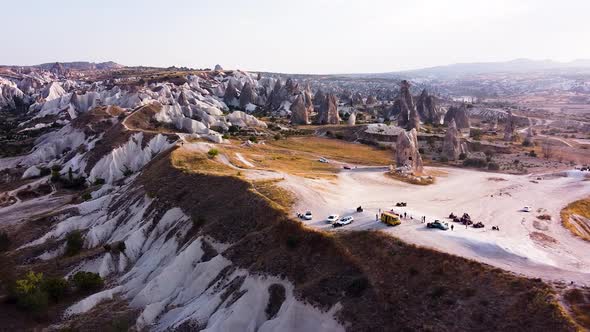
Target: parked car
[347, 167]
[323, 160]
[308, 215]
[438, 224]
[343, 221]
[332, 218]
[527, 209]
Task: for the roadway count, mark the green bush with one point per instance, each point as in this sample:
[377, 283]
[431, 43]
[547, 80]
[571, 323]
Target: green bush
[233, 129]
[87, 281]
[277, 137]
[212, 153]
[4, 242]
[253, 139]
[225, 136]
[475, 134]
[74, 243]
[86, 197]
[493, 167]
[475, 162]
[127, 172]
[56, 288]
[29, 294]
[533, 154]
[462, 156]
[55, 176]
[121, 246]
[99, 181]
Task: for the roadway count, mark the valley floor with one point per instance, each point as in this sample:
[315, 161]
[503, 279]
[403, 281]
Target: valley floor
[524, 244]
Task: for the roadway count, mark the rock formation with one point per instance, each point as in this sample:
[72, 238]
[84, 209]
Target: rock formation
[357, 99]
[247, 96]
[218, 68]
[407, 116]
[428, 110]
[509, 128]
[328, 113]
[407, 156]
[231, 95]
[299, 111]
[351, 119]
[459, 115]
[452, 146]
[371, 100]
[319, 98]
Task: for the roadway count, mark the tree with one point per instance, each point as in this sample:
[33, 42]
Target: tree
[547, 149]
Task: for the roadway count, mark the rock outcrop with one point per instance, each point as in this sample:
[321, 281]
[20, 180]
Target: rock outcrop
[407, 156]
[357, 99]
[328, 113]
[371, 100]
[407, 116]
[509, 128]
[299, 111]
[231, 97]
[351, 119]
[247, 96]
[218, 68]
[428, 109]
[452, 146]
[459, 115]
[319, 99]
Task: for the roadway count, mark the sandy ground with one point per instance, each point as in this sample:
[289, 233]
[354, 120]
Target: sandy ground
[487, 199]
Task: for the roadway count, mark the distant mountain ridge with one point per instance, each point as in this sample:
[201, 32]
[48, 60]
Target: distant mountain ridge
[74, 65]
[513, 66]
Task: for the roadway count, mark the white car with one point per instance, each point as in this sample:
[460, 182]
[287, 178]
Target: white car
[332, 218]
[527, 209]
[343, 221]
[323, 160]
[308, 215]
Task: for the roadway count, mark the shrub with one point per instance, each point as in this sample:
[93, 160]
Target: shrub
[253, 139]
[74, 243]
[475, 134]
[99, 181]
[121, 246]
[443, 159]
[127, 172]
[212, 153]
[4, 241]
[87, 281]
[475, 162]
[28, 293]
[233, 129]
[55, 176]
[44, 171]
[86, 197]
[107, 247]
[225, 136]
[277, 137]
[421, 150]
[533, 154]
[493, 167]
[56, 288]
[462, 156]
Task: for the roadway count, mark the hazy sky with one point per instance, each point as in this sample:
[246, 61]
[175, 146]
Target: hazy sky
[296, 36]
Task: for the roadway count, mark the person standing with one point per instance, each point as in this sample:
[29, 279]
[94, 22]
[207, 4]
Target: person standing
[452, 227]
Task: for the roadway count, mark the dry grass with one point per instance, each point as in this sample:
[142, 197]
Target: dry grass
[272, 191]
[575, 225]
[578, 302]
[269, 157]
[339, 150]
[198, 162]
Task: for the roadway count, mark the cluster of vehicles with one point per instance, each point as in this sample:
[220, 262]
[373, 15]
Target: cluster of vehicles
[336, 221]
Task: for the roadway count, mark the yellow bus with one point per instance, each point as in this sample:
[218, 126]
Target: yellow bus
[390, 218]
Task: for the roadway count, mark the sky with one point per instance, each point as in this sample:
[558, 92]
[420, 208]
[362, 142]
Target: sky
[302, 36]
